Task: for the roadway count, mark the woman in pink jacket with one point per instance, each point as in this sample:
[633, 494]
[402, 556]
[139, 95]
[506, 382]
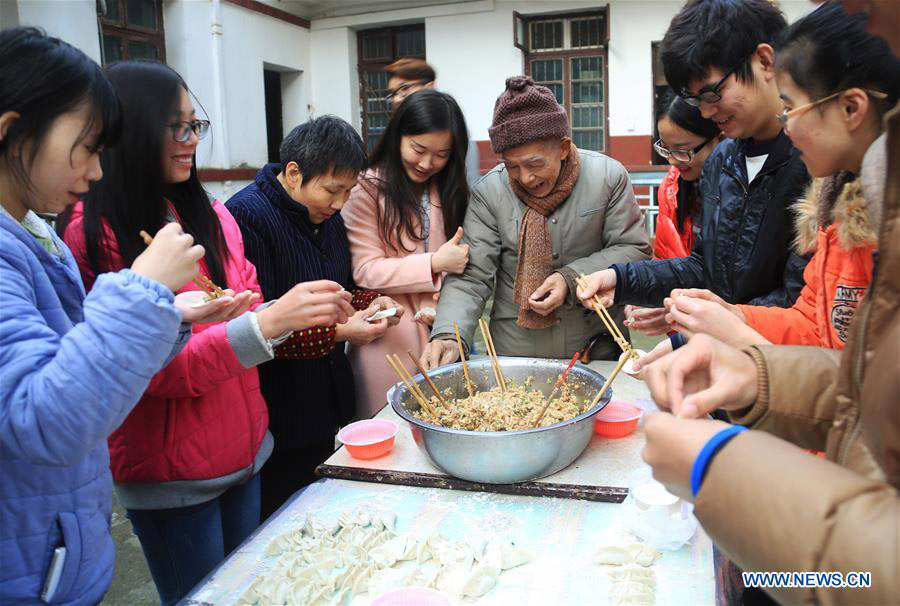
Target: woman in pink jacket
[404, 223]
[186, 460]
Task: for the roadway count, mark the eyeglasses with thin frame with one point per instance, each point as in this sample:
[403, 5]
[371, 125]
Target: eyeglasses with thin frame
[181, 131]
[787, 114]
[680, 155]
[402, 89]
[710, 94]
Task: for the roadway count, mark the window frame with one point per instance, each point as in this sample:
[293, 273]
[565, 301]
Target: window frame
[365, 65]
[126, 32]
[521, 35]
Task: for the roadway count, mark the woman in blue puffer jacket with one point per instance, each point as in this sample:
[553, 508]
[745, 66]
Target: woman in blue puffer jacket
[71, 366]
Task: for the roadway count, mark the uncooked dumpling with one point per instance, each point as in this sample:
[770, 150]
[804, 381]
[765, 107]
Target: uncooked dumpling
[643, 554]
[612, 554]
[482, 579]
[633, 572]
[631, 592]
[512, 556]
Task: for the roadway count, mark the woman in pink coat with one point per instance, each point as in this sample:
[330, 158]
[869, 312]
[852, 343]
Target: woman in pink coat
[404, 225]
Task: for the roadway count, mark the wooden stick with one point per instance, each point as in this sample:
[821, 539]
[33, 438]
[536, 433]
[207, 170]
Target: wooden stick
[489, 342]
[409, 378]
[415, 361]
[494, 363]
[205, 284]
[559, 383]
[409, 386]
[608, 382]
[462, 358]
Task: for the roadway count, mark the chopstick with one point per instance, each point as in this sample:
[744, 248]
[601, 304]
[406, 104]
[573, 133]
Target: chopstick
[413, 389]
[559, 382]
[415, 361]
[608, 321]
[462, 358]
[205, 284]
[608, 381]
[489, 345]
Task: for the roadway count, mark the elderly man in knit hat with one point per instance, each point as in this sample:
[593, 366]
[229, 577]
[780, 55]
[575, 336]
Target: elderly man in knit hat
[535, 222]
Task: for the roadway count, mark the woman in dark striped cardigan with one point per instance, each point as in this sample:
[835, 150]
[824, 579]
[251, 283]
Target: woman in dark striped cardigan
[293, 232]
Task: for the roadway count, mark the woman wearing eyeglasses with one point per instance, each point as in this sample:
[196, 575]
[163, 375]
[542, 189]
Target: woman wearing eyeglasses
[686, 138]
[185, 461]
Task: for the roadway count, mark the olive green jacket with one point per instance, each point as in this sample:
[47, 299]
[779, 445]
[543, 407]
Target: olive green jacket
[599, 224]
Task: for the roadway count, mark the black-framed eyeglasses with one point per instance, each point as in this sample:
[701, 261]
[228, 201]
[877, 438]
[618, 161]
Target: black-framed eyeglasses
[709, 94]
[680, 155]
[403, 88]
[181, 131]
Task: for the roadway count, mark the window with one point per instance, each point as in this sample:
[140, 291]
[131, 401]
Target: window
[131, 29]
[379, 48]
[567, 54]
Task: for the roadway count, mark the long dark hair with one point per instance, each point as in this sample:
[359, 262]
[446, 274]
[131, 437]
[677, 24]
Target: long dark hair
[425, 111]
[688, 117]
[132, 194]
[42, 78]
[828, 51]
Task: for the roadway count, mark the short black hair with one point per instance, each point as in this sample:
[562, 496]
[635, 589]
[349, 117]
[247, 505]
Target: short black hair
[829, 51]
[322, 145]
[717, 33]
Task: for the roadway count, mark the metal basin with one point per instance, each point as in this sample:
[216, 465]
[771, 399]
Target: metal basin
[503, 457]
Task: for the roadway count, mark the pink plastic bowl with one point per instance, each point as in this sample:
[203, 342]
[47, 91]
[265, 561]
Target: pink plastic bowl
[369, 439]
[617, 419]
[412, 596]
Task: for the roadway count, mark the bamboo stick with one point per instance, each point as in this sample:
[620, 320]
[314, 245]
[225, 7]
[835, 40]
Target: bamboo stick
[608, 382]
[409, 386]
[494, 363]
[489, 343]
[415, 361]
[462, 358]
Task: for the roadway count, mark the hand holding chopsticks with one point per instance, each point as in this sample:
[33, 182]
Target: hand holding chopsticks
[205, 284]
[171, 260]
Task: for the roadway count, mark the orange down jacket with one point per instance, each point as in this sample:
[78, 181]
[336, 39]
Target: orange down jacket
[836, 278]
[671, 243]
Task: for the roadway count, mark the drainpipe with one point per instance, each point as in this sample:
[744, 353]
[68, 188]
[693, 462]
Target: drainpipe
[220, 124]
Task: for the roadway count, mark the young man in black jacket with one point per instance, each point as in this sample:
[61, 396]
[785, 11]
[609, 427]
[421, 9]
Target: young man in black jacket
[718, 55]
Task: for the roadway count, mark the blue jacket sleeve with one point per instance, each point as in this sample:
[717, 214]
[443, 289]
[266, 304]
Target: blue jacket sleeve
[61, 395]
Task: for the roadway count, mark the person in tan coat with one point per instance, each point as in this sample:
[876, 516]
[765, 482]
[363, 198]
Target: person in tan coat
[767, 503]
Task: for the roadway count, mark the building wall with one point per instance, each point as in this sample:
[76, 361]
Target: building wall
[74, 21]
[471, 47]
[221, 50]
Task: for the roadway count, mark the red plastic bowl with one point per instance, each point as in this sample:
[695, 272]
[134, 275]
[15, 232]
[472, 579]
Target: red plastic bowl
[617, 419]
[369, 439]
[412, 596]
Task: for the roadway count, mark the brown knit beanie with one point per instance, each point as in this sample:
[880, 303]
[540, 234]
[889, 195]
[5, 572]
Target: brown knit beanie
[526, 112]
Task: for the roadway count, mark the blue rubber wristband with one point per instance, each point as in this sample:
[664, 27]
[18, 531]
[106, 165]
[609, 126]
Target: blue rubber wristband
[708, 451]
